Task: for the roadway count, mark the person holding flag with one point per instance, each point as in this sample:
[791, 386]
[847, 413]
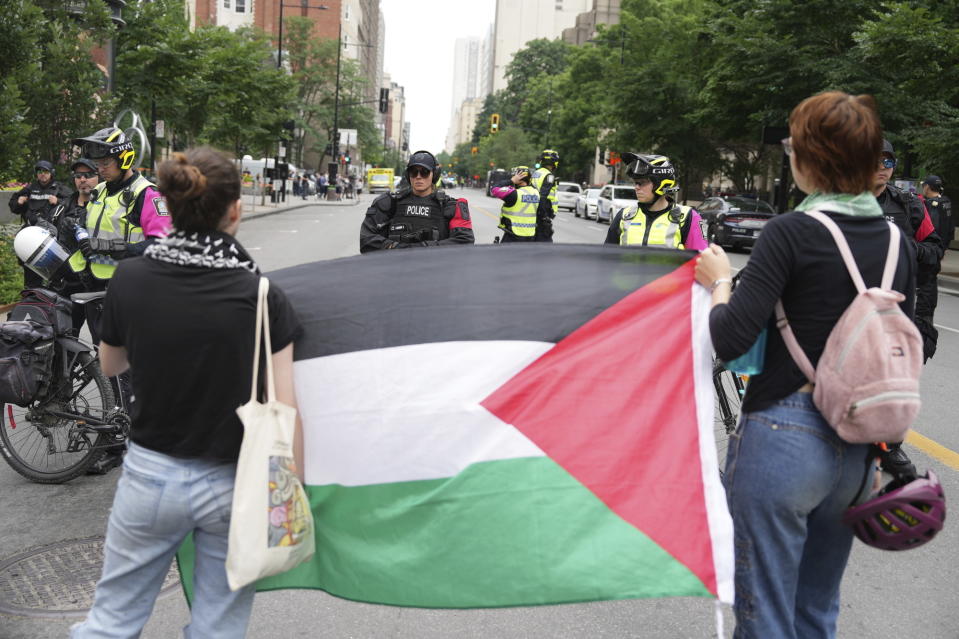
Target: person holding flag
[789, 476]
[655, 219]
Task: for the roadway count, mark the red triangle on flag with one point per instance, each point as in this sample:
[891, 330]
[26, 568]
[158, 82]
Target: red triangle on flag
[613, 404]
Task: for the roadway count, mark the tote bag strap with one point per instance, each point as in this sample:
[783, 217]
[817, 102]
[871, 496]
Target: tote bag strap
[263, 328]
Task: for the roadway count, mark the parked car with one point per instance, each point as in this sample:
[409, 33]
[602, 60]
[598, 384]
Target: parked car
[496, 177]
[586, 203]
[735, 222]
[613, 197]
[566, 195]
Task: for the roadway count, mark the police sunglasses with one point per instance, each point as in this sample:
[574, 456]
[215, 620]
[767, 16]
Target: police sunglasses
[81, 175]
[419, 172]
[887, 163]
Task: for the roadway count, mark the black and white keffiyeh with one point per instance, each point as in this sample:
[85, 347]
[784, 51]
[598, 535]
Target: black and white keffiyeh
[201, 250]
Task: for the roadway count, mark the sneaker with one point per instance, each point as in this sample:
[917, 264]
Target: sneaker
[105, 464]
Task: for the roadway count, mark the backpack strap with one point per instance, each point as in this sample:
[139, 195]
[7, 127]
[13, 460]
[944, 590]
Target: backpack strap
[892, 260]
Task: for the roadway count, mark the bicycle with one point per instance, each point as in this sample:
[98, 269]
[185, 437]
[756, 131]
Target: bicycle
[69, 425]
[730, 388]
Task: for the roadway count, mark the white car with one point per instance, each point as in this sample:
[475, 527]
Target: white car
[566, 195]
[586, 203]
[613, 197]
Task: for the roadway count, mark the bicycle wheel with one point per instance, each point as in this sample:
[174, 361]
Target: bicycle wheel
[34, 441]
[730, 388]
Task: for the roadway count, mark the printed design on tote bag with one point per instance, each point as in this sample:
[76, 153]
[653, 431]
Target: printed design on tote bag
[289, 511]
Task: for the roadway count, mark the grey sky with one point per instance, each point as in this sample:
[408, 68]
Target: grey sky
[420, 35]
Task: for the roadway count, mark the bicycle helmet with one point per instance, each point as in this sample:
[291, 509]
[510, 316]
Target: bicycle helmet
[523, 171]
[657, 168]
[549, 156]
[39, 251]
[901, 516]
[108, 142]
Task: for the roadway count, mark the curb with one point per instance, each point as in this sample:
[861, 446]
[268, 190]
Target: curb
[273, 211]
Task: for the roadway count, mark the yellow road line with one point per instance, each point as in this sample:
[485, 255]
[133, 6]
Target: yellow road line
[484, 211]
[934, 449]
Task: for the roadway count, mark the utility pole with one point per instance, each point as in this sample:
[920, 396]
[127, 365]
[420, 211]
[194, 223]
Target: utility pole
[336, 102]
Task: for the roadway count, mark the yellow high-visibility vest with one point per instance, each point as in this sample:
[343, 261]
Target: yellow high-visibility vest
[666, 230]
[522, 215]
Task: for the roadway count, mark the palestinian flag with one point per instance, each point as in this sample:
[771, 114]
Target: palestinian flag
[508, 425]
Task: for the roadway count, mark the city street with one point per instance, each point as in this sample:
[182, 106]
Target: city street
[884, 594]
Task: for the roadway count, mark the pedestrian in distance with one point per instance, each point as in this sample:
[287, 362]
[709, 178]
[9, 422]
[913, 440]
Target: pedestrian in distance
[36, 204]
[520, 204]
[940, 209]
[789, 477]
[183, 315]
[417, 215]
[544, 181]
[656, 219]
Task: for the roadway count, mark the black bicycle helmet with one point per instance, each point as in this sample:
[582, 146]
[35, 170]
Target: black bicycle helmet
[657, 168]
[109, 142]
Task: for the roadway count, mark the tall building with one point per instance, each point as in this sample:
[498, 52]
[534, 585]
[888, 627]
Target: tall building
[519, 21]
[472, 63]
[396, 130]
[466, 70]
[603, 12]
[463, 123]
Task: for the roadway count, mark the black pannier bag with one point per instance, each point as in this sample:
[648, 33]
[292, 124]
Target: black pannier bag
[44, 307]
[26, 361]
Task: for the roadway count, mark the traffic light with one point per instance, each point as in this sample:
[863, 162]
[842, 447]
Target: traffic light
[494, 123]
[347, 158]
[384, 100]
[474, 150]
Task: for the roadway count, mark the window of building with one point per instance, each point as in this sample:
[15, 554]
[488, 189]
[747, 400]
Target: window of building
[346, 15]
[226, 4]
[240, 6]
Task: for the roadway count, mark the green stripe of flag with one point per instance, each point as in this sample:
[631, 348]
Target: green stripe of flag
[501, 533]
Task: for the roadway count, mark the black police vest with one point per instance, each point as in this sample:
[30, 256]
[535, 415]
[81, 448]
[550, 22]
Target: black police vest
[418, 219]
[894, 210]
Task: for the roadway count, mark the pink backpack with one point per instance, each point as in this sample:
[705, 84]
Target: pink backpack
[867, 382]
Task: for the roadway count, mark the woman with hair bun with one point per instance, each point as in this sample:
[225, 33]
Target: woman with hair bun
[183, 316]
[789, 477]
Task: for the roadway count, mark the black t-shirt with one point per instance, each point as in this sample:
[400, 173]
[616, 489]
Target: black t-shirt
[189, 335]
[796, 259]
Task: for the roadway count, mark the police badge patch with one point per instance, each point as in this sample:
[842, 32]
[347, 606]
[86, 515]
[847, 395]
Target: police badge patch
[159, 203]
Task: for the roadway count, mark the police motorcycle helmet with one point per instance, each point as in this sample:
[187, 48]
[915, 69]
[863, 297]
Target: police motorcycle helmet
[40, 251]
[902, 515]
[426, 160]
[549, 156]
[656, 168]
[108, 142]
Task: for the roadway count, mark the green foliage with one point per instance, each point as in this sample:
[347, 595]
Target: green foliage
[11, 273]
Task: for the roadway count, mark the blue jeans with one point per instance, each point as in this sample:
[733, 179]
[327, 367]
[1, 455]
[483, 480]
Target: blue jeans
[788, 480]
[159, 500]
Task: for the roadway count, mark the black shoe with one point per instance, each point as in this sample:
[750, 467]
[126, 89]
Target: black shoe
[897, 463]
[105, 464]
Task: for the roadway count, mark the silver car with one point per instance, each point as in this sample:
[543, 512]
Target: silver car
[586, 203]
[566, 194]
[611, 199]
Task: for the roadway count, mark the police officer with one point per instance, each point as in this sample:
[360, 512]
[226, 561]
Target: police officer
[940, 209]
[124, 214]
[85, 178]
[545, 184]
[655, 219]
[907, 211]
[417, 214]
[126, 211]
[39, 203]
[520, 204]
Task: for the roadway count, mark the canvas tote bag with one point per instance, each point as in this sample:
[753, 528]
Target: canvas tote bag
[271, 528]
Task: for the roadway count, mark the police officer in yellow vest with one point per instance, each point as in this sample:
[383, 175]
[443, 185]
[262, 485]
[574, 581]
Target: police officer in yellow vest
[655, 219]
[545, 184]
[125, 212]
[125, 208]
[520, 204]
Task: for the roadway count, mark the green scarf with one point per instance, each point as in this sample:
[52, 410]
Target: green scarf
[862, 205]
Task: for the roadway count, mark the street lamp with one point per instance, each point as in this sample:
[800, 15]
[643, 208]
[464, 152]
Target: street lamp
[279, 38]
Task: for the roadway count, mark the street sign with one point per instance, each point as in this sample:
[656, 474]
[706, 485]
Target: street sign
[159, 127]
[348, 136]
[282, 151]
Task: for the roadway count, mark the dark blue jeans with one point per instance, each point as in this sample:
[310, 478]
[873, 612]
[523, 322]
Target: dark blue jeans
[788, 480]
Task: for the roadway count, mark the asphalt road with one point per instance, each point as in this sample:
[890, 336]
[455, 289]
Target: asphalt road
[884, 594]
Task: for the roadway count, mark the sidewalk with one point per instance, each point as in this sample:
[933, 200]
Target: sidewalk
[949, 272]
[252, 207]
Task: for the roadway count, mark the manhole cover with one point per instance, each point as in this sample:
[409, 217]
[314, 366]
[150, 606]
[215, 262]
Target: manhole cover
[58, 580]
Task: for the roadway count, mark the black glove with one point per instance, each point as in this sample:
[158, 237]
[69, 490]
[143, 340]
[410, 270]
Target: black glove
[930, 336]
[116, 249]
[85, 248]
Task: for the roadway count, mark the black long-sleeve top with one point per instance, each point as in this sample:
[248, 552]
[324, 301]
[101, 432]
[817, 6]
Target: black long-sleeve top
[796, 259]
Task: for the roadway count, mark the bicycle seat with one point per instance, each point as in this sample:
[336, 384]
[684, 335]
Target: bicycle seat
[83, 298]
